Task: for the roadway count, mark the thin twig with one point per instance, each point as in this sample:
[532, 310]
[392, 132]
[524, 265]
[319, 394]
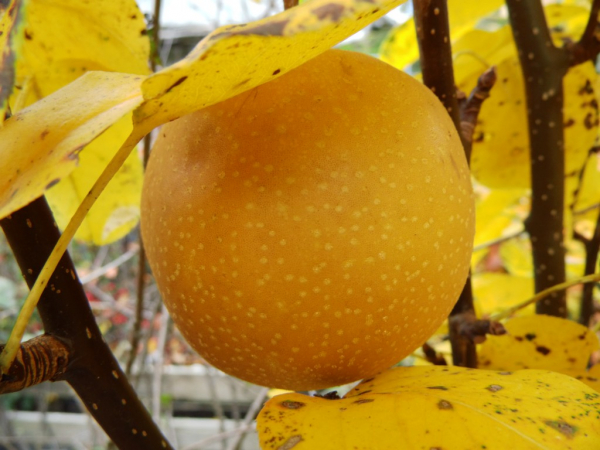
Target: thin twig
[588, 46]
[432, 356]
[475, 330]
[155, 39]
[108, 267]
[543, 294]
[592, 248]
[433, 33]
[580, 178]
[214, 399]
[220, 437]
[470, 108]
[141, 269]
[499, 240]
[587, 209]
[157, 374]
[287, 4]
[99, 258]
[248, 418]
[155, 309]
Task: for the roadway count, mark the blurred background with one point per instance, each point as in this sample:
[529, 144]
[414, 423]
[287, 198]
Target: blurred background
[199, 407]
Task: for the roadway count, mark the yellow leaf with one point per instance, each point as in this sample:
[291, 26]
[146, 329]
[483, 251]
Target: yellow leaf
[464, 14]
[236, 58]
[590, 377]
[539, 342]
[585, 195]
[227, 62]
[516, 256]
[567, 21]
[478, 50]
[10, 43]
[66, 38]
[110, 36]
[40, 144]
[495, 214]
[106, 37]
[400, 47]
[431, 407]
[495, 292]
[117, 209]
[500, 156]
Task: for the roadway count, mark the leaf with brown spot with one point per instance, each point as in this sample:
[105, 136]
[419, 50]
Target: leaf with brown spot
[108, 40]
[235, 58]
[562, 427]
[545, 342]
[500, 158]
[89, 106]
[117, 210]
[484, 409]
[229, 61]
[71, 36]
[590, 377]
[292, 405]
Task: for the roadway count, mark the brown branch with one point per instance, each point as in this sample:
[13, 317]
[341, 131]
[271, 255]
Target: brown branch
[471, 106]
[592, 249]
[43, 358]
[141, 286]
[433, 35]
[432, 356]
[464, 352]
[472, 331]
[155, 56]
[476, 330]
[591, 245]
[543, 66]
[588, 46]
[287, 4]
[141, 272]
[92, 371]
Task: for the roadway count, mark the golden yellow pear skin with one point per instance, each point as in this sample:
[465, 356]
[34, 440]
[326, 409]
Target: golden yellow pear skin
[314, 230]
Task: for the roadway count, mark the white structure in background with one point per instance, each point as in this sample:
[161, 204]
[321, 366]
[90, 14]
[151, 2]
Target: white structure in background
[210, 14]
[44, 430]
